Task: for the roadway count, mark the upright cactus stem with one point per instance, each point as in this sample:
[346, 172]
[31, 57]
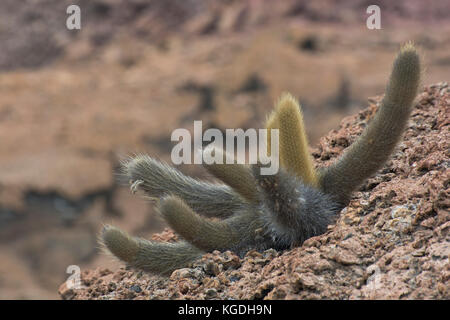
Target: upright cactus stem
[367, 154]
[293, 144]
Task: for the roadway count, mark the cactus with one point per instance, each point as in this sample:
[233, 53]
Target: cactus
[253, 211]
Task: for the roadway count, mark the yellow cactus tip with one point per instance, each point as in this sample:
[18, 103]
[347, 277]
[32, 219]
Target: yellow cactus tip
[408, 47]
[286, 100]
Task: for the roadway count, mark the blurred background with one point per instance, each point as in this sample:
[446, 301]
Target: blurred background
[75, 102]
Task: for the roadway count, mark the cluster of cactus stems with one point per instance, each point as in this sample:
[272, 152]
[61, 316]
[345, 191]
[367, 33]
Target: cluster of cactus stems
[253, 211]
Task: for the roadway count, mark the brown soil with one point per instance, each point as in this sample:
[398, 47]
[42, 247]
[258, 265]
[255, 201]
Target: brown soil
[391, 242]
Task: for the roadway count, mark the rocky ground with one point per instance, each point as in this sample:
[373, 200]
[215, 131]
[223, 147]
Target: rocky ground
[391, 242]
[74, 103]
